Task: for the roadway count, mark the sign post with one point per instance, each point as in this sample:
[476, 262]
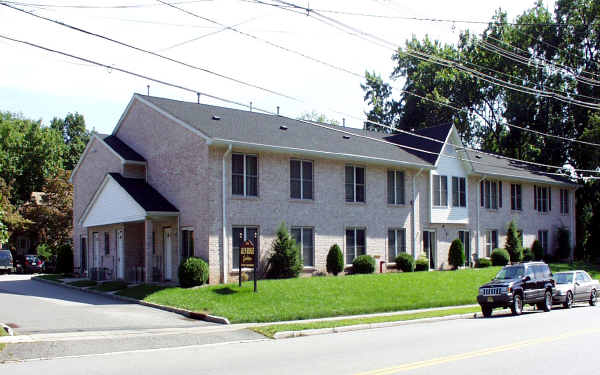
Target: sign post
[248, 259]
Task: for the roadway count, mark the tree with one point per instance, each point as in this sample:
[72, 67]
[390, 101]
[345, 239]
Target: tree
[285, 261]
[335, 260]
[10, 218]
[513, 243]
[52, 219]
[75, 137]
[318, 117]
[456, 254]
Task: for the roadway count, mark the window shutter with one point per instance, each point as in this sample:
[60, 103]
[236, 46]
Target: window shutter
[549, 198]
[481, 191]
[500, 194]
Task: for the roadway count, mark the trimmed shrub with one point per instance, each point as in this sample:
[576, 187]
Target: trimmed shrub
[500, 257]
[456, 255]
[64, 259]
[562, 243]
[538, 250]
[363, 264]
[335, 260]
[528, 255]
[483, 263]
[192, 272]
[285, 261]
[513, 243]
[405, 262]
[422, 264]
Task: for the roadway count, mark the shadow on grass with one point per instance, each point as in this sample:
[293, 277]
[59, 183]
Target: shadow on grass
[140, 292]
[225, 291]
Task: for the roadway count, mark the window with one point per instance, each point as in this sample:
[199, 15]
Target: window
[83, 265]
[304, 239]
[244, 175]
[543, 238]
[301, 179]
[580, 277]
[515, 197]
[564, 201]
[440, 190]
[153, 243]
[459, 192]
[106, 243]
[465, 238]
[429, 247]
[187, 243]
[491, 241]
[395, 184]
[355, 243]
[491, 194]
[241, 234]
[355, 184]
[396, 243]
[542, 200]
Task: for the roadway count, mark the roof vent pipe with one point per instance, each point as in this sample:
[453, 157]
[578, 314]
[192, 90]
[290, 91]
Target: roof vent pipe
[148, 89]
[198, 97]
[277, 110]
[344, 122]
[250, 106]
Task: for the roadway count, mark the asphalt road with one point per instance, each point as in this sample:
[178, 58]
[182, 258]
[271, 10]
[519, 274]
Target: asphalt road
[559, 342]
[35, 307]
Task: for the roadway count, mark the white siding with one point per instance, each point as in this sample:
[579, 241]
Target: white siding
[113, 205]
[452, 168]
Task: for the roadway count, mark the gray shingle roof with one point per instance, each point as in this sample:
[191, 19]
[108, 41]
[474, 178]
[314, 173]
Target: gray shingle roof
[121, 148]
[261, 129]
[144, 194]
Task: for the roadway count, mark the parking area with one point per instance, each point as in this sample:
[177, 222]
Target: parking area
[35, 307]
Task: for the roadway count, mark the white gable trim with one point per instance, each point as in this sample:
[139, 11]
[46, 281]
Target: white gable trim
[162, 112]
[137, 211]
[443, 147]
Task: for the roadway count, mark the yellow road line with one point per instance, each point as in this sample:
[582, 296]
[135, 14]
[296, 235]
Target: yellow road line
[476, 353]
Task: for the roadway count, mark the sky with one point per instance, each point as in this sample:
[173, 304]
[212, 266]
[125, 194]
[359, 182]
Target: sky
[42, 85]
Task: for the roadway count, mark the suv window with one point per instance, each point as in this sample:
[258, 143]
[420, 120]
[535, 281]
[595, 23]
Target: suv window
[510, 272]
[542, 271]
[5, 254]
[530, 273]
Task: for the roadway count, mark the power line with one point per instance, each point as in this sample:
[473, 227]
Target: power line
[162, 82]
[362, 77]
[77, 6]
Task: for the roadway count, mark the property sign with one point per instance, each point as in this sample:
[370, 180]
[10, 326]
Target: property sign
[247, 255]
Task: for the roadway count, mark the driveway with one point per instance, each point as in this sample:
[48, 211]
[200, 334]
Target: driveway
[35, 307]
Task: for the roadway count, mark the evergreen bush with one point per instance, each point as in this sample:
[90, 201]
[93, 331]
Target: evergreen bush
[500, 257]
[422, 264]
[335, 260]
[456, 255]
[538, 250]
[483, 263]
[285, 261]
[192, 272]
[363, 264]
[513, 243]
[405, 262]
[528, 255]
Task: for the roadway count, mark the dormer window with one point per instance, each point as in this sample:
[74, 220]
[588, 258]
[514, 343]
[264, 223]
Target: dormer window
[440, 191]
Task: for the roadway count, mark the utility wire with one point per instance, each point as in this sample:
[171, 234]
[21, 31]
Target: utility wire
[77, 6]
[362, 77]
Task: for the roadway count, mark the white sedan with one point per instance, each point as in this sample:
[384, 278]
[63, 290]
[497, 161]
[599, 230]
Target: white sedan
[575, 286]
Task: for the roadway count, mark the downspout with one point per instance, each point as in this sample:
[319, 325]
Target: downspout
[224, 201]
[478, 200]
[413, 221]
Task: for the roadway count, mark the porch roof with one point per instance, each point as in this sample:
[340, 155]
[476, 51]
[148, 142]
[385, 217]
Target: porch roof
[120, 199]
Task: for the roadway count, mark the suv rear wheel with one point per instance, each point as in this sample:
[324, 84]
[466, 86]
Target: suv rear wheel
[517, 305]
[547, 301]
[486, 310]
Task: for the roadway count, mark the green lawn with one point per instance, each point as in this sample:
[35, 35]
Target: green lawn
[2, 333]
[83, 283]
[270, 330]
[56, 277]
[111, 286]
[592, 269]
[317, 297]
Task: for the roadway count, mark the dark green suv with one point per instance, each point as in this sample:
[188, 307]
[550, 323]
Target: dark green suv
[514, 286]
[6, 261]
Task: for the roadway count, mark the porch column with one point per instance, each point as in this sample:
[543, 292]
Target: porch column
[148, 250]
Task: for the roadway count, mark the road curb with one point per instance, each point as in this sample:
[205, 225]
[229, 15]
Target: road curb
[186, 313]
[360, 327]
[7, 329]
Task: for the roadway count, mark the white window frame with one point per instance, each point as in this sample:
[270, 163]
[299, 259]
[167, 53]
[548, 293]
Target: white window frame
[302, 179]
[516, 197]
[397, 245]
[355, 229]
[461, 193]
[491, 191]
[489, 241]
[355, 184]
[461, 233]
[542, 198]
[397, 200]
[564, 201]
[543, 239]
[436, 181]
[301, 244]
[245, 175]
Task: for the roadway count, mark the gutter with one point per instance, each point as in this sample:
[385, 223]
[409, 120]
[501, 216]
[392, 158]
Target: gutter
[224, 222]
[413, 221]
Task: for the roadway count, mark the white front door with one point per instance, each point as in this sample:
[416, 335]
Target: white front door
[96, 250]
[120, 255]
[168, 253]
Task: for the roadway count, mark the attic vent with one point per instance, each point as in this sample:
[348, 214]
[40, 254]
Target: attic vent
[216, 118]
[283, 127]
[346, 136]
